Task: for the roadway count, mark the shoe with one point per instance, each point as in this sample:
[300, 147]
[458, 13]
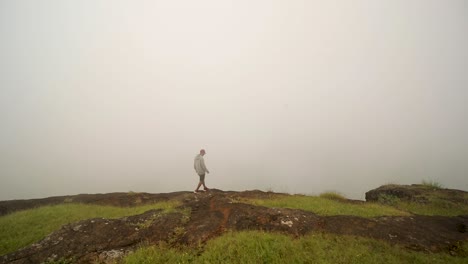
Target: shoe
[195, 191]
[206, 189]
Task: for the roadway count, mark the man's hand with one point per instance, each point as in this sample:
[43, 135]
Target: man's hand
[207, 171]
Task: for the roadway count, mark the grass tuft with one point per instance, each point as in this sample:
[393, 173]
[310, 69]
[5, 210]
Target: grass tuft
[432, 184]
[332, 196]
[60, 261]
[161, 253]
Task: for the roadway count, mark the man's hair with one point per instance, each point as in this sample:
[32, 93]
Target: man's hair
[202, 151]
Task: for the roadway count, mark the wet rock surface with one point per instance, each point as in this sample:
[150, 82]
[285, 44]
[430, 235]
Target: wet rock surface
[213, 213]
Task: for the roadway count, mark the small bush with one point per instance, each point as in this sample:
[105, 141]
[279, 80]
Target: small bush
[432, 184]
[388, 199]
[332, 196]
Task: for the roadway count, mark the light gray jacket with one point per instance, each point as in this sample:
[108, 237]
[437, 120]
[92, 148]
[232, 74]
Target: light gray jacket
[199, 165]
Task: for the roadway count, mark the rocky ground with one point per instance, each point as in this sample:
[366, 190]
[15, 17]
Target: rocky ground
[211, 214]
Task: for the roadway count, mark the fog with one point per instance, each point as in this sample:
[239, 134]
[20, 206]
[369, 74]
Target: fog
[290, 96]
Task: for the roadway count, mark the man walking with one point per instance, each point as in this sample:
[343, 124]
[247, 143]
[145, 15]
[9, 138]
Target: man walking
[200, 168]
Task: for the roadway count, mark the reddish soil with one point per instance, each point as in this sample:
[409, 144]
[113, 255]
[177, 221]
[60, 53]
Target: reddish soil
[213, 213]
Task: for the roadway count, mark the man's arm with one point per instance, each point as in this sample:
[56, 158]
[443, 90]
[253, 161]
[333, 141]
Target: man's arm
[203, 166]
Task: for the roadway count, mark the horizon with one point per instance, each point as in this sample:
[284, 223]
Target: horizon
[424, 183]
[297, 97]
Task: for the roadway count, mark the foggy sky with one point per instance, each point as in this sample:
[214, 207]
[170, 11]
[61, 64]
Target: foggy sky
[290, 96]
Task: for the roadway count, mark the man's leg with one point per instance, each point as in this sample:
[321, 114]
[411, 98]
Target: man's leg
[202, 181]
[198, 187]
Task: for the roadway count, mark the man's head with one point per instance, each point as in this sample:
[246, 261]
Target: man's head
[202, 152]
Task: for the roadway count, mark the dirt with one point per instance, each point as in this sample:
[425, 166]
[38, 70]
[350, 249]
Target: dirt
[212, 214]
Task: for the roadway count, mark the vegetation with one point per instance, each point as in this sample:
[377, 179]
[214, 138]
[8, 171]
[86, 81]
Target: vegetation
[326, 206]
[388, 199]
[26, 227]
[259, 247]
[161, 253]
[332, 196]
[331, 203]
[60, 261]
[434, 207]
[432, 184]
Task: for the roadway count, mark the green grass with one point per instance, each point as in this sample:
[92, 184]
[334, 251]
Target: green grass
[161, 253]
[332, 196]
[432, 184]
[435, 207]
[326, 206]
[60, 261]
[23, 228]
[259, 247]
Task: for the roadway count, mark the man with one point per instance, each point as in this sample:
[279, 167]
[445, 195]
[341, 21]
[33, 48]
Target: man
[200, 168]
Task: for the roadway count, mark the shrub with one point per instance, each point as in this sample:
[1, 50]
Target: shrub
[388, 199]
[332, 196]
[432, 184]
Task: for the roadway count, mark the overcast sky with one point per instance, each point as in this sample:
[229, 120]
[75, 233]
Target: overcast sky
[290, 96]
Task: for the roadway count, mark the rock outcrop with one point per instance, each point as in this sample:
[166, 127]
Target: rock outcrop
[417, 193]
[212, 213]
